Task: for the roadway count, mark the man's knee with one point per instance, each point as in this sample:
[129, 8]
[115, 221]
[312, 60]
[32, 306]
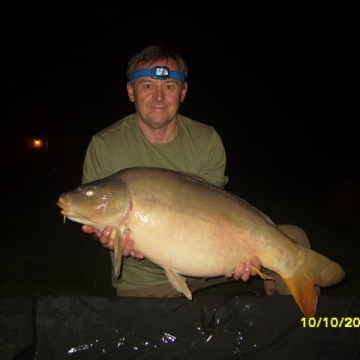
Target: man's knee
[278, 286]
[295, 233]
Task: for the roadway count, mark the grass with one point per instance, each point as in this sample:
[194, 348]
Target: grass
[43, 256]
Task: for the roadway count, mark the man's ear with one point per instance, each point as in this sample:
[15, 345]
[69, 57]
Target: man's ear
[183, 92]
[130, 91]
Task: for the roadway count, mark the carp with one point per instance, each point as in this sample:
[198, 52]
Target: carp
[190, 227]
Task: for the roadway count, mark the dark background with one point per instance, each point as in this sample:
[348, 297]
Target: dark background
[281, 88]
[285, 83]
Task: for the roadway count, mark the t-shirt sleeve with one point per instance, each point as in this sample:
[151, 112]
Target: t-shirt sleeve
[214, 167]
[96, 163]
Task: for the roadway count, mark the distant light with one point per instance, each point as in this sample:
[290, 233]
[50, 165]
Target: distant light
[37, 143]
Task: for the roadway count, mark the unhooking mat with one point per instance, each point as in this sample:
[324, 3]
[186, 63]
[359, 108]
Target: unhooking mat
[242, 327]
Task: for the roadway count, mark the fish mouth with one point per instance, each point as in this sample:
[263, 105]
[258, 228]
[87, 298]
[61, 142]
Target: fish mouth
[64, 208]
[68, 212]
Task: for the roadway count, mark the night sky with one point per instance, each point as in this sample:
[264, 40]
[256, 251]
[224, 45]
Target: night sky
[280, 85]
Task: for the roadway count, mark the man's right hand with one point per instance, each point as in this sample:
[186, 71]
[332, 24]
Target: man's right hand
[104, 237]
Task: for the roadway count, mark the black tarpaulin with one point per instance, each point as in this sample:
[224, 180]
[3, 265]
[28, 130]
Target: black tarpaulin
[245, 327]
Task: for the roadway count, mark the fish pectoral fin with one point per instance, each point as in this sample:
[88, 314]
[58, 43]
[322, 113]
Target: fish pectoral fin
[178, 282]
[256, 271]
[117, 252]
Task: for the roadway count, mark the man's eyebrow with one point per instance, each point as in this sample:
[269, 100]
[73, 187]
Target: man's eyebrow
[165, 81]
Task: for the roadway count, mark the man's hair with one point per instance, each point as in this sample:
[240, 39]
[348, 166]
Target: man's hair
[153, 53]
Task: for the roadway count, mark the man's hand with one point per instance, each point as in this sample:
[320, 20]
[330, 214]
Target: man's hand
[127, 244]
[103, 238]
[244, 270]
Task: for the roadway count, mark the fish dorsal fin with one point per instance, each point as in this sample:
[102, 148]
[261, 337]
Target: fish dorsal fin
[178, 282]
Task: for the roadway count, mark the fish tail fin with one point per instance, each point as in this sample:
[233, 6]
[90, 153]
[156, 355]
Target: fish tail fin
[315, 270]
[303, 290]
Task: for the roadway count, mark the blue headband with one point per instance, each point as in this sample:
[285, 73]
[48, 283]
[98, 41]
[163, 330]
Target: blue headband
[158, 73]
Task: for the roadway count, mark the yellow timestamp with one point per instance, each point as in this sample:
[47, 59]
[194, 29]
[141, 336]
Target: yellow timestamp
[331, 322]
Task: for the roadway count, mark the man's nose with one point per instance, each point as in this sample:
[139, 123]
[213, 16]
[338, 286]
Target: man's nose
[159, 94]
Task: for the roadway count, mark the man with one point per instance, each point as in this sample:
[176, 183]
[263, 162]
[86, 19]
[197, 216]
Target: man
[158, 136]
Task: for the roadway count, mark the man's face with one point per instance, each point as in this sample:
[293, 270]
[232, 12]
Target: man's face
[157, 101]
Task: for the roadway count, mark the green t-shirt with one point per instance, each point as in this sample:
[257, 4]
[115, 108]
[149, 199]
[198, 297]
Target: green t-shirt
[197, 149]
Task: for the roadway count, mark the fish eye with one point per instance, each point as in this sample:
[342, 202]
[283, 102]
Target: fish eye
[90, 191]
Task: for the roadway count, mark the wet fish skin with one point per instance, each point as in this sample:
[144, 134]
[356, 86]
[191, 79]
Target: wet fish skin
[192, 228]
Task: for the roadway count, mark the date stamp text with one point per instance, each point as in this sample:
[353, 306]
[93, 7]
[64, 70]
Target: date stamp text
[331, 322]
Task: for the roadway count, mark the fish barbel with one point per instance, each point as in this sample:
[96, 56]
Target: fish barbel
[192, 228]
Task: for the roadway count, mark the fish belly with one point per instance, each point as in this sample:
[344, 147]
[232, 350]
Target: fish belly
[191, 245]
